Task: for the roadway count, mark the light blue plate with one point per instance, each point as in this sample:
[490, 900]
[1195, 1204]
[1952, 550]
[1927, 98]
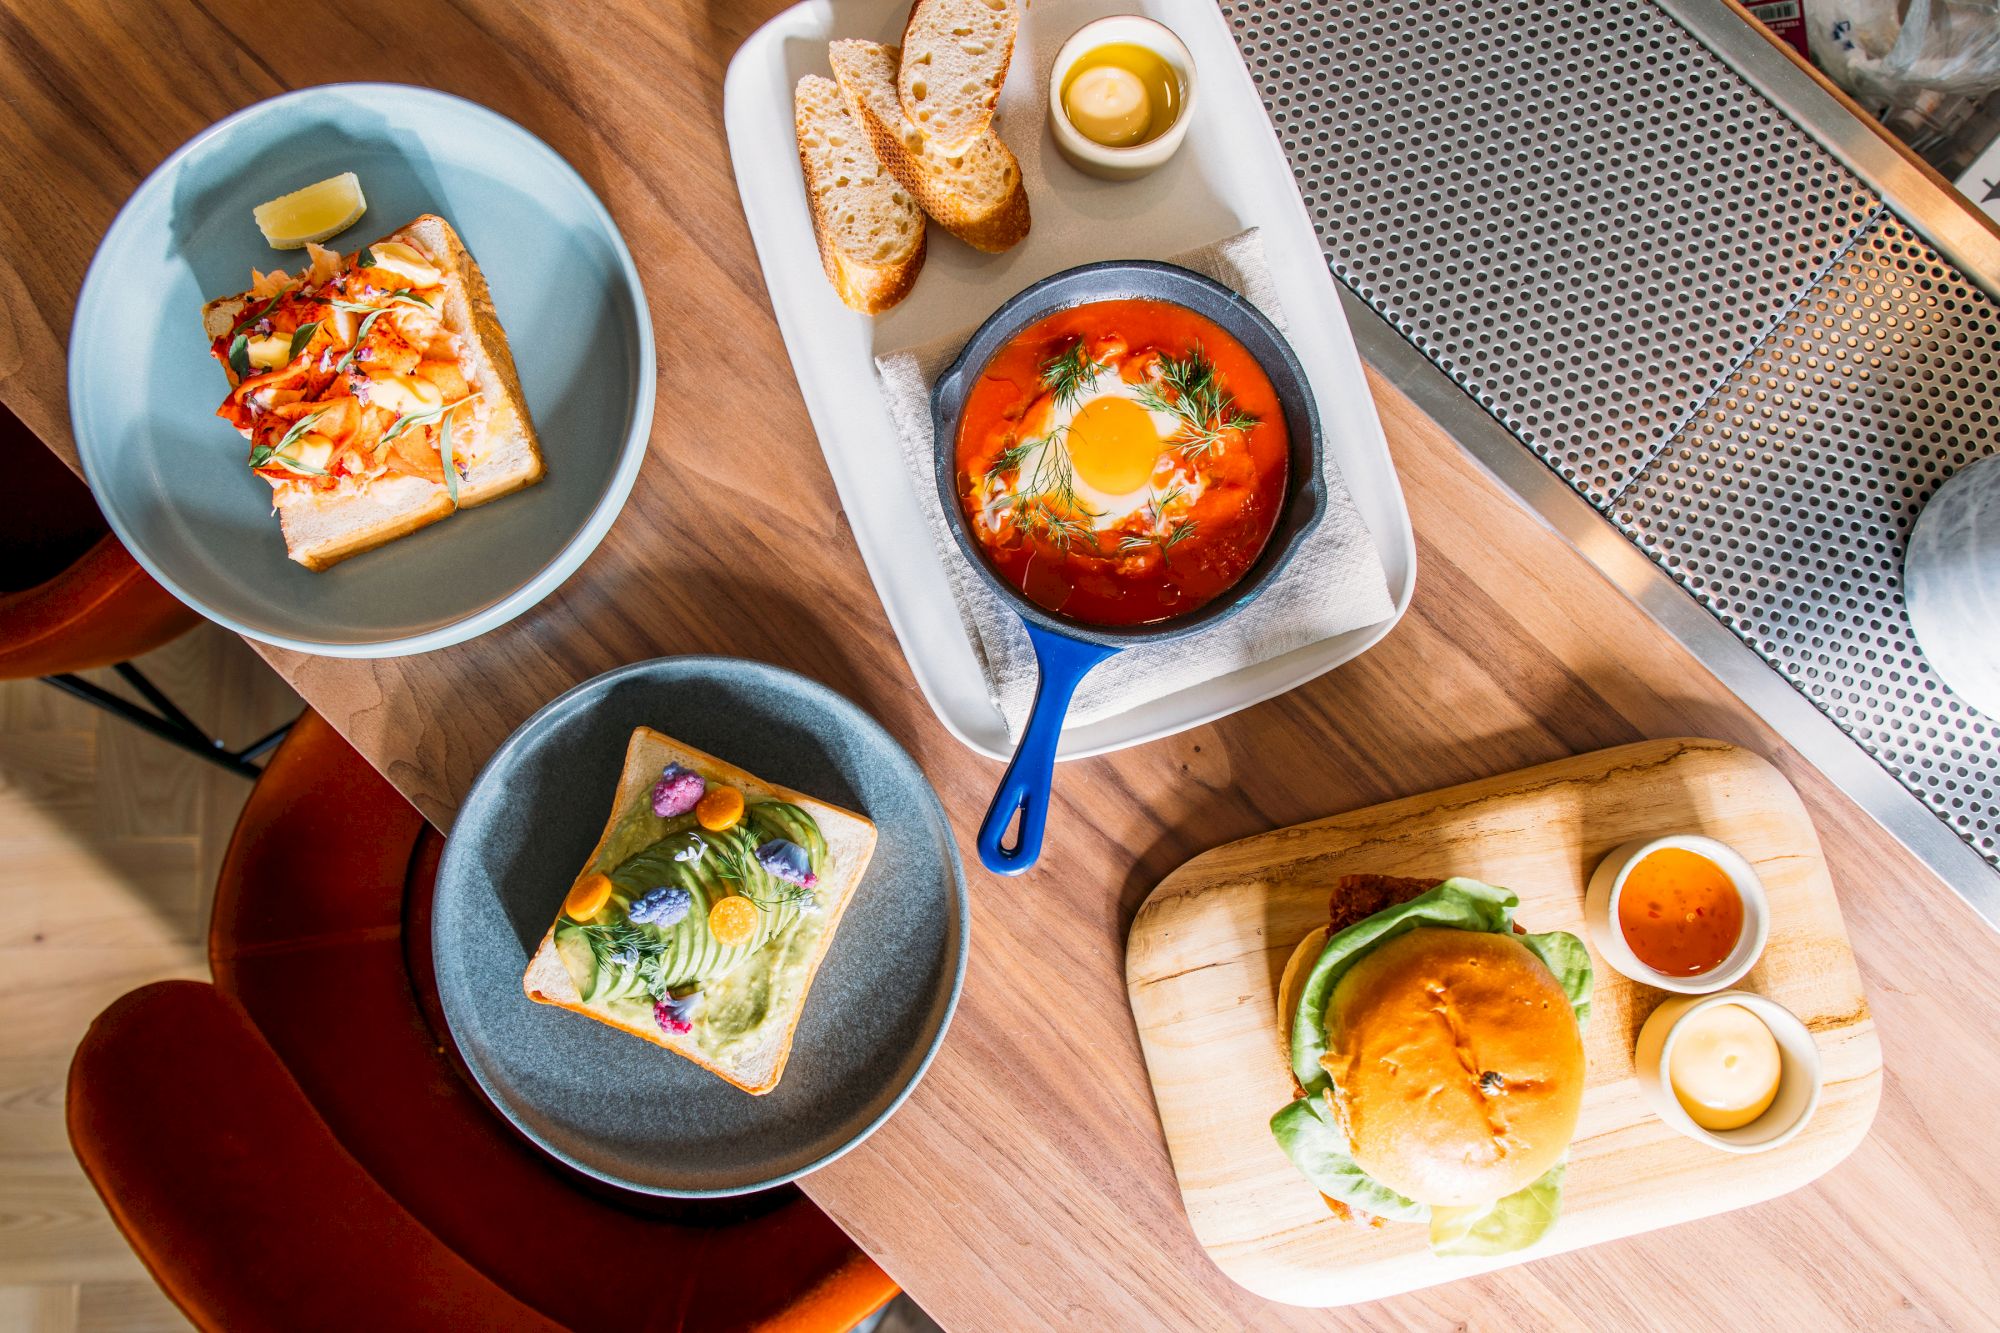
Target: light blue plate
[171, 475]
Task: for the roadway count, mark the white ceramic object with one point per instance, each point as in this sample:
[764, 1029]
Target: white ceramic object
[1799, 1080]
[1607, 885]
[1136, 160]
[1231, 173]
[1951, 584]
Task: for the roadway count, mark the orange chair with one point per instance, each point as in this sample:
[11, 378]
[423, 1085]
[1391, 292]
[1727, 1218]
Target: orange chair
[72, 598]
[296, 1146]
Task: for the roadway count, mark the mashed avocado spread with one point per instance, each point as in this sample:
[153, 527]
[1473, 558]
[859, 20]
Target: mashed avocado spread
[675, 968]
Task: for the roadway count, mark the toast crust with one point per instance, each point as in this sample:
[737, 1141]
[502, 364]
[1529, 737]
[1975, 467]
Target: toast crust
[394, 506]
[851, 844]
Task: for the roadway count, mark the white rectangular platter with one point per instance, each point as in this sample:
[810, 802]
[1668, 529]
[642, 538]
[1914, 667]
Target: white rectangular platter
[1230, 174]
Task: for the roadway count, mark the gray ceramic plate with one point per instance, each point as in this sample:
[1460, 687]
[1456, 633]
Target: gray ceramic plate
[171, 477]
[626, 1111]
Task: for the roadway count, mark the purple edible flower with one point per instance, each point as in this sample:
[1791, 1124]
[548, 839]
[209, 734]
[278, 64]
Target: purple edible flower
[663, 907]
[787, 861]
[676, 1015]
[677, 792]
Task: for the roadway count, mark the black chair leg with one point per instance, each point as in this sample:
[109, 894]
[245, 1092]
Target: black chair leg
[169, 723]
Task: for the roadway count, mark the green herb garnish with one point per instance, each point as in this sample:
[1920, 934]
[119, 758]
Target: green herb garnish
[424, 418]
[1045, 502]
[444, 457]
[300, 337]
[1205, 410]
[738, 866]
[1067, 374]
[275, 453]
[239, 356]
[261, 311]
[360, 336]
[366, 259]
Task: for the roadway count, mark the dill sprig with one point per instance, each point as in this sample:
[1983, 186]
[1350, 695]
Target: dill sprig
[1045, 502]
[736, 865]
[1156, 512]
[1068, 373]
[1206, 411]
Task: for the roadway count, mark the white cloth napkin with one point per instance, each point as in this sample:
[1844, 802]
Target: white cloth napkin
[1334, 584]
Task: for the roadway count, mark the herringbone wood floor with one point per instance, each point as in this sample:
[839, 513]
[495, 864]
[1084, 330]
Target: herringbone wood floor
[109, 845]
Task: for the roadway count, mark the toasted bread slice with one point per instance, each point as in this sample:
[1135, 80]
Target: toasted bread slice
[976, 195]
[320, 532]
[870, 231]
[850, 842]
[955, 57]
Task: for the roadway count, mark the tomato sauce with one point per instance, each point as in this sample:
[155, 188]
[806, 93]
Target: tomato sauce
[1122, 573]
[1680, 912]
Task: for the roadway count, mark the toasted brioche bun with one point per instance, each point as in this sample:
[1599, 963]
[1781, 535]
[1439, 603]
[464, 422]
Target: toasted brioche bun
[1297, 968]
[1416, 1027]
[320, 532]
[850, 842]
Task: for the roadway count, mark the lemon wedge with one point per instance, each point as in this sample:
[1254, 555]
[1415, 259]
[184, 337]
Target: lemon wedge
[316, 213]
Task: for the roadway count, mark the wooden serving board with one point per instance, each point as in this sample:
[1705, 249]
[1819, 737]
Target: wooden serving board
[1207, 948]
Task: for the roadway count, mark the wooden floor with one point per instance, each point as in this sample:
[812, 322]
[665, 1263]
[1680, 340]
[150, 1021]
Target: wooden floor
[109, 845]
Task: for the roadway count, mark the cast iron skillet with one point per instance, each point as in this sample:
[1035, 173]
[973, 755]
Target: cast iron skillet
[1067, 649]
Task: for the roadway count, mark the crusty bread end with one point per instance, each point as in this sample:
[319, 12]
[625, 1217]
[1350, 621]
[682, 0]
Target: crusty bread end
[869, 230]
[976, 195]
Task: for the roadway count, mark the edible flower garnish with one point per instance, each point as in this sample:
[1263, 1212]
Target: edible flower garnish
[663, 907]
[787, 861]
[678, 791]
[676, 1015]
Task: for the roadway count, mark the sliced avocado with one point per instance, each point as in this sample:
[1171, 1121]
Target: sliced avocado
[579, 958]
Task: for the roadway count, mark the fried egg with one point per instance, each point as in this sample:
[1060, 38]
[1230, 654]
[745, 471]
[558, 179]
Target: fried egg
[1116, 454]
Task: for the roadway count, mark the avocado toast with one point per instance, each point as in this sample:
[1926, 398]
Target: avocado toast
[704, 911]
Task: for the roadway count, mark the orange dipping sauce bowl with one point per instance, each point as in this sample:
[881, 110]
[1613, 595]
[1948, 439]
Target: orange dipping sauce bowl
[1682, 913]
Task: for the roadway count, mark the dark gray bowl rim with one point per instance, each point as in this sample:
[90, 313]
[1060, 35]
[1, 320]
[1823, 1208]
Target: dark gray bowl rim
[1144, 279]
[962, 921]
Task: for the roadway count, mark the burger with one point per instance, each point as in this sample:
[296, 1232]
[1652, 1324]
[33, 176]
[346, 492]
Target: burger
[1437, 1053]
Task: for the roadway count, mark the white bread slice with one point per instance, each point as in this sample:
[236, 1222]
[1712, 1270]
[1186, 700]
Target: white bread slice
[955, 57]
[976, 195]
[850, 842]
[322, 532]
[870, 231]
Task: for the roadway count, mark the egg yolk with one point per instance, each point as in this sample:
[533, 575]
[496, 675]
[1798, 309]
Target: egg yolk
[1114, 446]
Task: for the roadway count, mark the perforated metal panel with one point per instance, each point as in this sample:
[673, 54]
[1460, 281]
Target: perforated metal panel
[1786, 504]
[1573, 209]
[1680, 302]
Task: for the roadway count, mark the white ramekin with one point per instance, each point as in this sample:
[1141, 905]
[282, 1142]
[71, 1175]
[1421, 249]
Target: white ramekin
[1607, 884]
[1799, 1082]
[1087, 155]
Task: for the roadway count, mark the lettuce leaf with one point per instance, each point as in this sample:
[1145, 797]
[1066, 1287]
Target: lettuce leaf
[1306, 1129]
[1503, 1226]
[1319, 1151]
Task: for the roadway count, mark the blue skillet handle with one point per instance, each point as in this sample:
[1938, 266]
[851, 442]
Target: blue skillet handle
[1031, 776]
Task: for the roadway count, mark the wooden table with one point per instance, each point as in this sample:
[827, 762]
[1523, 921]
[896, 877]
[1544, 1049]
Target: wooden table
[1025, 1183]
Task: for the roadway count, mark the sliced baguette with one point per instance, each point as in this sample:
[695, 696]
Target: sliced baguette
[322, 532]
[955, 57]
[870, 231]
[976, 195]
[850, 841]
